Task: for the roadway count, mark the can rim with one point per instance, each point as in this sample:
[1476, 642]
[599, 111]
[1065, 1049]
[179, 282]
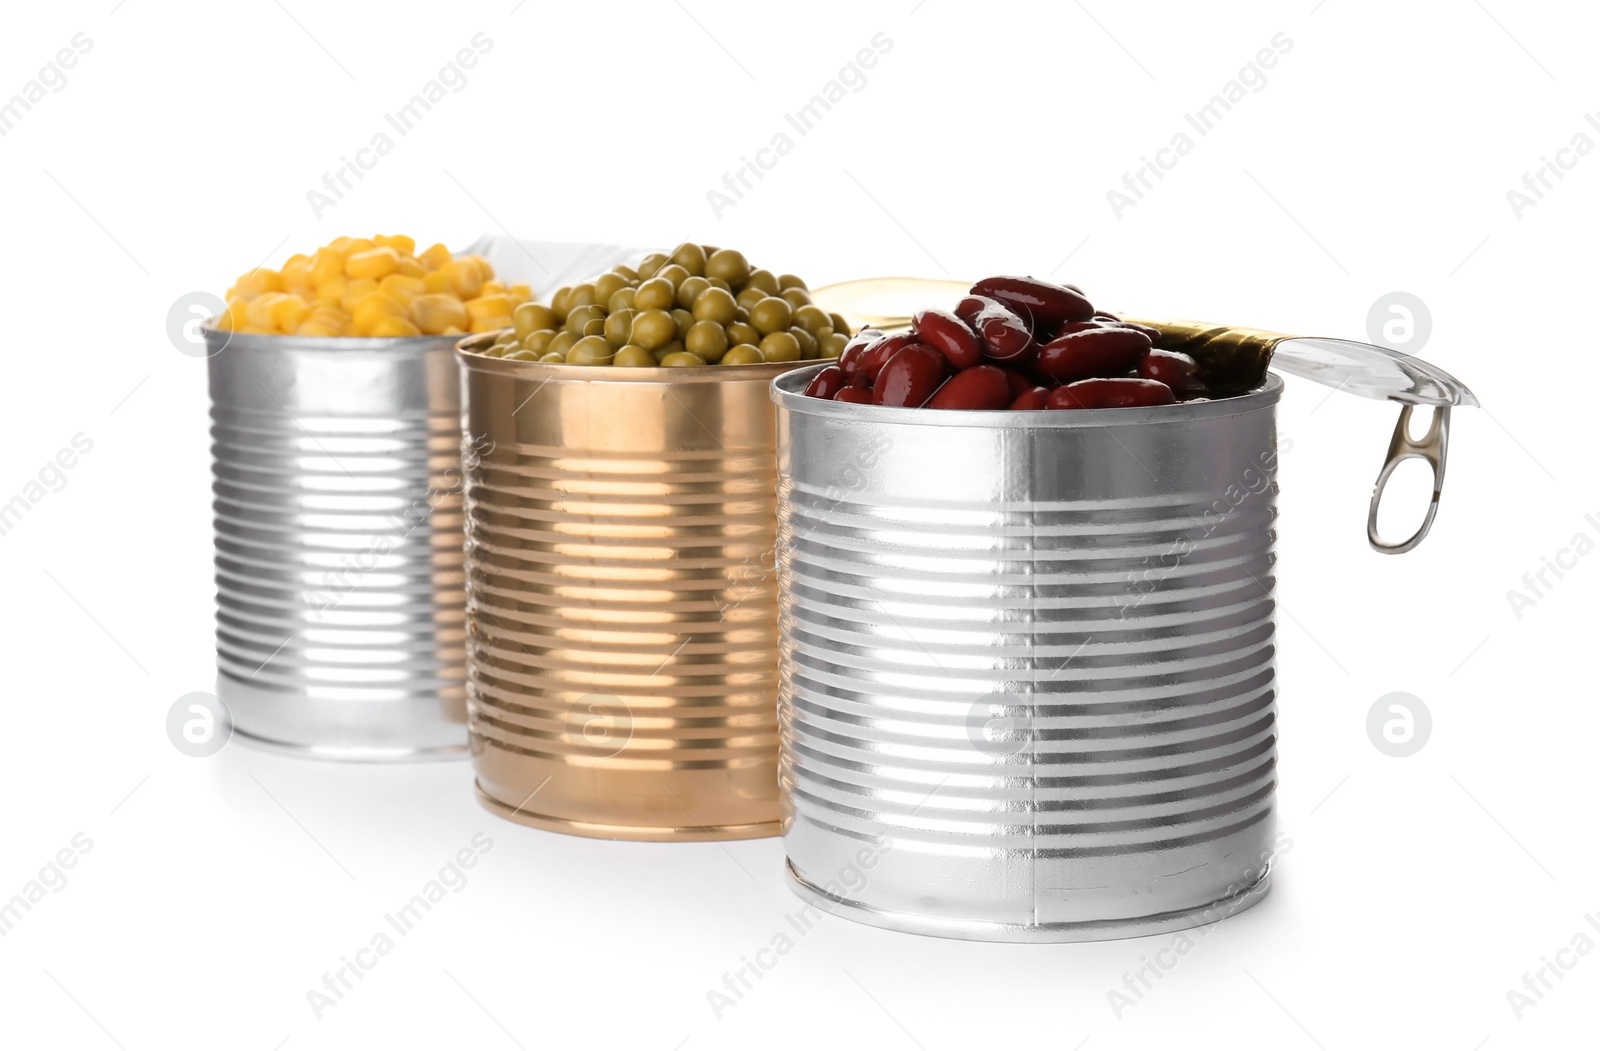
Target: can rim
[788, 392]
[542, 370]
[263, 341]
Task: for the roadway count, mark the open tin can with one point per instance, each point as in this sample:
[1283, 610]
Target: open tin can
[1028, 685]
[336, 465]
[622, 609]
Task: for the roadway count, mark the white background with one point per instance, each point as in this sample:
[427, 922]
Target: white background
[1376, 158]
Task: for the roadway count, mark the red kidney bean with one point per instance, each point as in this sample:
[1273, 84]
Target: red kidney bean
[980, 387]
[827, 383]
[1047, 305]
[1119, 393]
[878, 354]
[1017, 380]
[1032, 398]
[1086, 353]
[909, 377]
[859, 395]
[1178, 371]
[949, 335]
[970, 306]
[1005, 336]
[859, 344]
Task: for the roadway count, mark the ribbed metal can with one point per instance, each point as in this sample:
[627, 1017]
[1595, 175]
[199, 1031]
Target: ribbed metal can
[340, 600]
[622, 605]
[1027, 675]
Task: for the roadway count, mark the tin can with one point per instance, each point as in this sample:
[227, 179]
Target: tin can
[340, 603]
[1027, 664]
[622, 606]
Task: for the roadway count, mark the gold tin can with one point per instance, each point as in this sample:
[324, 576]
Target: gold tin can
[622, 635]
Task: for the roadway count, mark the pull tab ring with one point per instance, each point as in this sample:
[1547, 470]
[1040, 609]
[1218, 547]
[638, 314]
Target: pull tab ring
[1432, 447]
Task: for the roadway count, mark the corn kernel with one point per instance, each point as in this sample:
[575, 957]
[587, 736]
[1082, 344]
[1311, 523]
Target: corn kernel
[437, 312]
[374, 263]
[258, 282]
[395, 326]
[434, 257]
[258, 313]
[332, 287]
[355, 291]
[374, 308]
[289, 312]
[327, 264]
[490, 306]
[519, 293]
[399, 242]
[466, 276]
[403, 288]
[378, 286]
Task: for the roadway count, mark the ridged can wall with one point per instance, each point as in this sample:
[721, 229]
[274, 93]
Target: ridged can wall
[622, 610]
[1027, 664]
[337, 498]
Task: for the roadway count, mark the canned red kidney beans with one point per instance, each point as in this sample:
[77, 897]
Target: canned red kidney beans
[1012, 343]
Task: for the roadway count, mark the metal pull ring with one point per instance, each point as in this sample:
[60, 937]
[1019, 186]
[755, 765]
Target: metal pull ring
[1432, 447]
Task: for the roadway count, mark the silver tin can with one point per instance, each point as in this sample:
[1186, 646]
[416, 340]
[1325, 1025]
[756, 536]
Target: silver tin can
[340, 600]
[1027, 687]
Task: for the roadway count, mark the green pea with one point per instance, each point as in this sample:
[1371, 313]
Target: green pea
[539, 341]
[581, 295]
[684, 320]
[655, 294]
[780, 346]
[674, 273]
[743, 332]
[750, 297]
[682, 358]
[522, 355]
[650, 264]
[691, 257]
[788, 281]
[771, 315]
[531, 317]
[621, 299]
[796, 297]
[832, 345]
[562, 342]
[552, 356]
[728, 265]
[764, 280]
[715, 304]
[606, 285]
[707, 339]
[590, 350]
[840, 324]
[558, 303]
[675, 347]
[580, 315]
[811, 318]
[634, 356]
[691, 287]
[653, 329]
[627, 273]
[743, 354]
[808, 343]
[619, 327]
